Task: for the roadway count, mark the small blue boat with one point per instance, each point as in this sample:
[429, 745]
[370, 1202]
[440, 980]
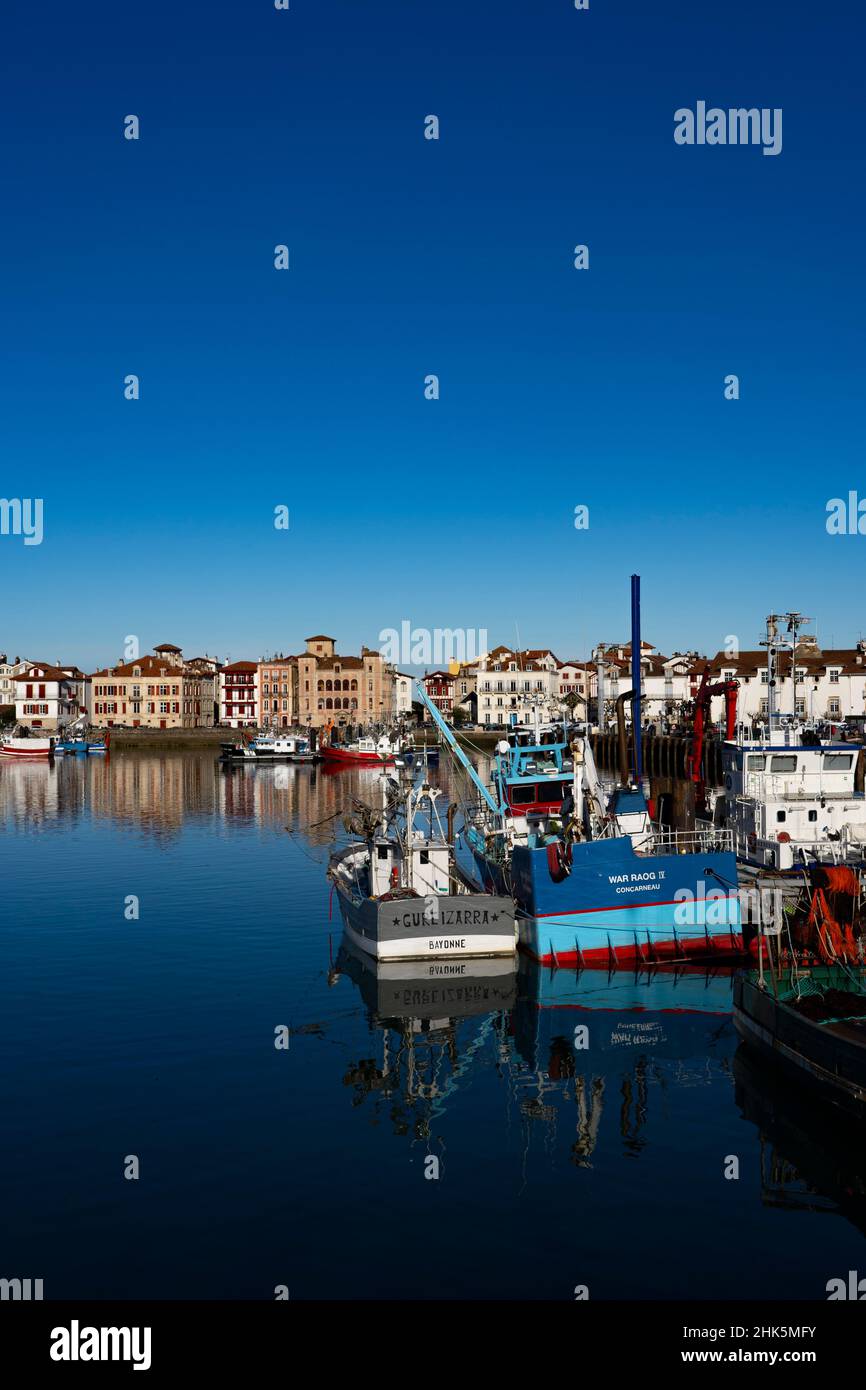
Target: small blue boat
[80, 746]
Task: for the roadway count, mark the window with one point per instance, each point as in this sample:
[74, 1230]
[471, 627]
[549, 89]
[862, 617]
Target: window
[834, 706]
[813, 815]
[837, 762]
[754, 762]
[781, 816]
[163, 706]
[783, 762]
[834, 677]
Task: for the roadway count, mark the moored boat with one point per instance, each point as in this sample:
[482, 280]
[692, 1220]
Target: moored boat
[595, 880]
[400, 894]
[791, 798]
[283, 747]
[27, 748]
[374, 752]
[811, 1023]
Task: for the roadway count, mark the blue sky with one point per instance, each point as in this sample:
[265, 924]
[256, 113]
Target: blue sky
[408, 257]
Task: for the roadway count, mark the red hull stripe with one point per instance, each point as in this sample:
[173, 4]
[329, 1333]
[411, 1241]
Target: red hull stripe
[691, 948]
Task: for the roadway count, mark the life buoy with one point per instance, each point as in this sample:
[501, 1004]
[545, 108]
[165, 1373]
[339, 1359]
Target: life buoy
[558, 860]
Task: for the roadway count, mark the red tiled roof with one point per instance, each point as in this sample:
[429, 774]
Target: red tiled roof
[48, 672]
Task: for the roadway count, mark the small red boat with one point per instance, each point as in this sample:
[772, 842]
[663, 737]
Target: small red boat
[369, 751]
[28, 748]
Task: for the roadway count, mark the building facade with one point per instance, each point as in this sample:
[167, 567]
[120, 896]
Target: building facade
[157, 691]
[439, 689]
[512, 687]
[340, 690]
[403, 688]
[239, 695]
[8, 671]
[815, 685]
[278, 692]
[49, 698]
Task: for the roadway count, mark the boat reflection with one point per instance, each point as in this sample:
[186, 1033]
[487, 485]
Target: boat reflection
[434, 1018]
[591, 1037]
[565, 1045]
[812, 1156]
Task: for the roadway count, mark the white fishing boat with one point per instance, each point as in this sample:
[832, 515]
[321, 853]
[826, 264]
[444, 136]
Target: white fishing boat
[292, 747]
[792, 799]
[400, 893]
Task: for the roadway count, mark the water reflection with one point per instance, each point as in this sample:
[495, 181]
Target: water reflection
[570, 1049]
[157, 792]
[430, 1020]
[812, 1157]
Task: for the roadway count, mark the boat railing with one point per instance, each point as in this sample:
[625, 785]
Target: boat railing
[710, 840]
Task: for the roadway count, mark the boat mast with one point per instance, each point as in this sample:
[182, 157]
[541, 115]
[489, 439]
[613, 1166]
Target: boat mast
[461, 757]
[635, 678]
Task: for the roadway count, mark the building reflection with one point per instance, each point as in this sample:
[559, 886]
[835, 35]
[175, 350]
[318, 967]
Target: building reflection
[158, 792]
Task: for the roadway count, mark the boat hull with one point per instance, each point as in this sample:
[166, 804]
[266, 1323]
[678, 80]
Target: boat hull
[432, 989]
[440, 927]
[346, 755]
[28, 749]
[614, 907]
[832, 1065]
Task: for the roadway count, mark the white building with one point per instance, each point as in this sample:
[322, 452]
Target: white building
[403, 687]
[50, 697]
[8, 671]
[822, 685]
[239, 695]
[667, 682]
[511, 686]
[573, 678]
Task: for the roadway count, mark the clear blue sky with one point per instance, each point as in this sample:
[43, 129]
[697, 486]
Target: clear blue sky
[409, 257]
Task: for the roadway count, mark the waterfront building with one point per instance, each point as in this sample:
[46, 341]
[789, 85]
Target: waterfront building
[667, 682]
[512, 686]
[239, 695]
[817, 684]
[49, 697]
[8, 671]
[439, 687]
[278, 692]
[157, 691]
[341, 690]
[403, 688]
[573, 679]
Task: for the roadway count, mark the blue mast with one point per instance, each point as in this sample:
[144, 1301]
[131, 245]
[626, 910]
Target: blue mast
[635, 676]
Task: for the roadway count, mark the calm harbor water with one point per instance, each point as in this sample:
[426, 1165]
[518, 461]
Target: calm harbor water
[559, 1165]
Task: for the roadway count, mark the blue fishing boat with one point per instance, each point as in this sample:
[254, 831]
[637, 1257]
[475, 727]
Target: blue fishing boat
[81, 746]
[595, 880]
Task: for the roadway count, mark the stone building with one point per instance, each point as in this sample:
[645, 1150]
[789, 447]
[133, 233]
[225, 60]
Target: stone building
[157, 691]
[341, 690]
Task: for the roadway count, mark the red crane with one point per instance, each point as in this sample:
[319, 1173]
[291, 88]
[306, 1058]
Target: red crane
[702, 705]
